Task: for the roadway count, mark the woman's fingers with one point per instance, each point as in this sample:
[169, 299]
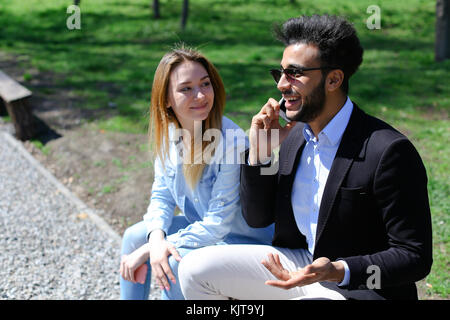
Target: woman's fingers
[160, 275]
[157, 271]
[125, 270]
[168, 273]
[131, 274]
[173, 251]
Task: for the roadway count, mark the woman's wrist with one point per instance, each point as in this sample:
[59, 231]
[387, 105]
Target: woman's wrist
[156, 235]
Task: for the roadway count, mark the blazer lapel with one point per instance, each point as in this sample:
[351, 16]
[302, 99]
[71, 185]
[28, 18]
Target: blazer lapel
[288, 156]
[350, 147]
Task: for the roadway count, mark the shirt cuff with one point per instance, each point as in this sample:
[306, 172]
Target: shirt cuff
[346, 279]
[259, 164]
[156, 225]
[179, 242]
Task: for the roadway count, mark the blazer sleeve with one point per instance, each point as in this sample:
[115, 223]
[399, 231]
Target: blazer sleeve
[258, 195]
[400, 191]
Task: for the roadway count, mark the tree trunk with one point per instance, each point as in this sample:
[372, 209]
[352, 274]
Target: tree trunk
[184, 15]
[442, 46]
[156, 14]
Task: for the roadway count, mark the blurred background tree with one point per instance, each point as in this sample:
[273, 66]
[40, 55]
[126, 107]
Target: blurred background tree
[156, 13]
[442, 30]
[184, 14]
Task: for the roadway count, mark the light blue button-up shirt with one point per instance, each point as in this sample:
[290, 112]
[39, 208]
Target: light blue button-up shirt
[312, 174]
[213, 208]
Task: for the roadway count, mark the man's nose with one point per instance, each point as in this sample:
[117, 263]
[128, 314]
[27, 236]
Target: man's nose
[283, 84]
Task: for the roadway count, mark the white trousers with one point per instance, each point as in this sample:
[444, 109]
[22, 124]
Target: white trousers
[235, 271]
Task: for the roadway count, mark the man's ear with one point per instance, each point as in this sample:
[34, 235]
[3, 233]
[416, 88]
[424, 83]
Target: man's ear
[334, 80]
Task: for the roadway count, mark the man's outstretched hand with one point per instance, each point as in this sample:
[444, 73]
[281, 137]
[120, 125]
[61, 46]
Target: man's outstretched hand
[322, 269]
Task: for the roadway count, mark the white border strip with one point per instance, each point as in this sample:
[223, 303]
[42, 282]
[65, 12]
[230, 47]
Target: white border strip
[102, 224]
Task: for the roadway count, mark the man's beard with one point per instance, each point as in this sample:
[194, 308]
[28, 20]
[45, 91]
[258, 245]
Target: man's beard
[312, 104]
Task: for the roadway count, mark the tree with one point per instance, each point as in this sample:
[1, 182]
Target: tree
[156, 14]
[184, 14]
[442, 45]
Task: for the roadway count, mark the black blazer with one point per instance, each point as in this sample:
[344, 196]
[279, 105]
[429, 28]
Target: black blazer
[374, 208]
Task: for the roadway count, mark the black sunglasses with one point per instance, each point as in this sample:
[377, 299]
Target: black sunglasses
[293, 73]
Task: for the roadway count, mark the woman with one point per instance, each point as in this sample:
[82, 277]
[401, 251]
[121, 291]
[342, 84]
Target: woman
[196, 170]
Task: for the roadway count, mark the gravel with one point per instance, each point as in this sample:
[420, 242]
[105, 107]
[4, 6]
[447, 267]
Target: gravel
[49, 249]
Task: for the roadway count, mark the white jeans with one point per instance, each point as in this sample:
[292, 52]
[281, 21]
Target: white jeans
[235, 271]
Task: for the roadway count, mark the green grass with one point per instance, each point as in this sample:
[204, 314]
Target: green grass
[38, 144]
[113, 58]
[107, 189]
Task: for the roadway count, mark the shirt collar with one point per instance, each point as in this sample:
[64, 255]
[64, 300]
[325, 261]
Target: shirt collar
[334, 130]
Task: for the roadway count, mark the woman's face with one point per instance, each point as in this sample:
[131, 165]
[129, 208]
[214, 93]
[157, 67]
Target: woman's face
[191, 95]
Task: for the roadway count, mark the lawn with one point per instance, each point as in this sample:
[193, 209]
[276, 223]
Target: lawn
[114, 55]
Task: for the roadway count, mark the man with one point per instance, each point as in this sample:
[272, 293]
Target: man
[349, 201]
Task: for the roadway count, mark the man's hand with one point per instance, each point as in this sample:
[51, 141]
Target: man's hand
[322, 269]
[267, 119]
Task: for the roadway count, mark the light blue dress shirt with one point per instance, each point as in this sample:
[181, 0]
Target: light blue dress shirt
[312, 174]
[213, 208]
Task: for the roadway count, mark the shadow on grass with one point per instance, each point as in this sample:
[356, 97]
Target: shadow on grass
[123, 50]
[45, 133]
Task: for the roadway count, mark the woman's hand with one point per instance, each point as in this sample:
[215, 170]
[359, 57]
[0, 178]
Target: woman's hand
[132, 261]
[160, 250]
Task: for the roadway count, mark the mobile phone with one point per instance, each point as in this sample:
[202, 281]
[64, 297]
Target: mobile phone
[283, 110]
[141, 273]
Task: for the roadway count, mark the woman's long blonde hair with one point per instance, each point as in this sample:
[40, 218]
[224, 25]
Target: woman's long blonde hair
[161, 116]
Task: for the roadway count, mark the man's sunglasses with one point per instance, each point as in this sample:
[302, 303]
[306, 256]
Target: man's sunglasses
[293, 73]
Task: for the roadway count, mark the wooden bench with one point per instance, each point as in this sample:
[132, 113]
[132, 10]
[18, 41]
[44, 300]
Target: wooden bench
[15, 98]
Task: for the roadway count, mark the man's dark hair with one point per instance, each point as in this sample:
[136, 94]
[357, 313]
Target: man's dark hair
[336, 39]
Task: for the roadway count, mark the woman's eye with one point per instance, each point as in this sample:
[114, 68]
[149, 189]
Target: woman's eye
[185, 89]
[206, 84]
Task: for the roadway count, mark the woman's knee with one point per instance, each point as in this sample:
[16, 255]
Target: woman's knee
[174, 263]
[134, 237]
